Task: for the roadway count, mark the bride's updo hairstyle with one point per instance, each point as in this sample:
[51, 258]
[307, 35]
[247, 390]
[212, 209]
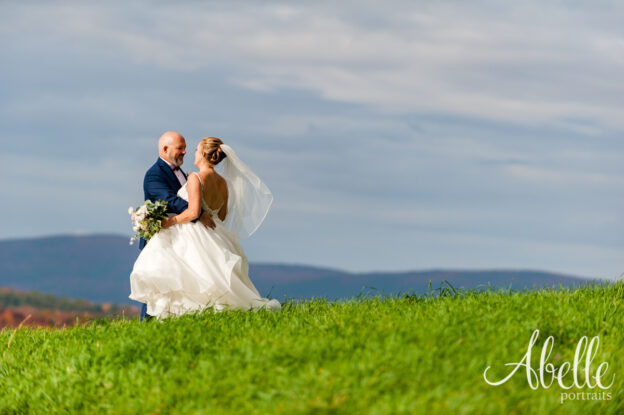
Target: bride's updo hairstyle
[211, 150]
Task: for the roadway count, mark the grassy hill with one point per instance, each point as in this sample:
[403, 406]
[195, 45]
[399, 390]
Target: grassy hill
[414, 354]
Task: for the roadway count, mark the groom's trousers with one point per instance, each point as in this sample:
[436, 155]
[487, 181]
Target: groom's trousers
[144, 314]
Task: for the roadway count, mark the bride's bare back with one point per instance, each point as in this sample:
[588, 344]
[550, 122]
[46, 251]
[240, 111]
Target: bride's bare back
[215, 191]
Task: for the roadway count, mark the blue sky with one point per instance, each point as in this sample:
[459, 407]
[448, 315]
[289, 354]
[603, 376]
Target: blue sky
[415, 135]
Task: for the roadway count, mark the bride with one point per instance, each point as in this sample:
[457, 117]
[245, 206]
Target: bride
[188, 267]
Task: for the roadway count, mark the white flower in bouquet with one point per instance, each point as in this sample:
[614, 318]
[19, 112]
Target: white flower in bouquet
[147, 219]
[141, 213]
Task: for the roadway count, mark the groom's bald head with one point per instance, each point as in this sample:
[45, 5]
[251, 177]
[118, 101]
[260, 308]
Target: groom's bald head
[172, 147]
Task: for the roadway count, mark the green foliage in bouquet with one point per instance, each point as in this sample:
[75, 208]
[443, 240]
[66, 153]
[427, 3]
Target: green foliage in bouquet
[147, 219]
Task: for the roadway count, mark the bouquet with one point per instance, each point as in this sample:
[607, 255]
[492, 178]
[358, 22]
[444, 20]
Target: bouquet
[147, 219]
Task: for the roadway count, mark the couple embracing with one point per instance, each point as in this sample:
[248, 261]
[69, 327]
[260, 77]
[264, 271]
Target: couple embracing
[196, 261]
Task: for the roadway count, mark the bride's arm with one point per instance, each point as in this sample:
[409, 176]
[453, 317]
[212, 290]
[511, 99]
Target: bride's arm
[194, 204]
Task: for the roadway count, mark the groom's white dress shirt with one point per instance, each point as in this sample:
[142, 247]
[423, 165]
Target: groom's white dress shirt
[178, 173]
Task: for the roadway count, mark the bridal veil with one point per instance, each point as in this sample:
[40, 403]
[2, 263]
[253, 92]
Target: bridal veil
[249, 198]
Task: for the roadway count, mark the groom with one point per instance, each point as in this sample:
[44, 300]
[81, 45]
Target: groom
[164, 179]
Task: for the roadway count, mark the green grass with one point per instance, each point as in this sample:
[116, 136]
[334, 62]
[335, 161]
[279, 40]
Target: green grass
[383, 355]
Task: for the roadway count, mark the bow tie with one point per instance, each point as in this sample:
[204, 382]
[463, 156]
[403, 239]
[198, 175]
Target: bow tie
[175, 168]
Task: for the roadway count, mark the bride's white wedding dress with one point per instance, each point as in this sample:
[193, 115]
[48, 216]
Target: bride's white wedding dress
[189, 267]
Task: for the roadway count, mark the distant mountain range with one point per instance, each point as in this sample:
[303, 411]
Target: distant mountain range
[97, 268]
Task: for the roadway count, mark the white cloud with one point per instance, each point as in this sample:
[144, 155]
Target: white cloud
[566, 178]
[469, 59]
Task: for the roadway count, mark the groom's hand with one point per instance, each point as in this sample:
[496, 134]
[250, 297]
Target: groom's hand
[206, 219]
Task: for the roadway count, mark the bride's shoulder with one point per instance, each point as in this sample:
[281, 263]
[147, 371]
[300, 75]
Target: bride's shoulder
[193, 179]
[217, 182]
[215, 177]
[221, 181]
[193, 176]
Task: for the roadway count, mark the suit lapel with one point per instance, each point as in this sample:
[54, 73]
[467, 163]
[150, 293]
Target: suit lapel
[171, 177]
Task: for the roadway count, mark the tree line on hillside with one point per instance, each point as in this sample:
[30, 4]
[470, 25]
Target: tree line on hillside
[34, 308]
[14, 298]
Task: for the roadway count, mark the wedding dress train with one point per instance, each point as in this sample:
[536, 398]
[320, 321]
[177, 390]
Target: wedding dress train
[189, 267]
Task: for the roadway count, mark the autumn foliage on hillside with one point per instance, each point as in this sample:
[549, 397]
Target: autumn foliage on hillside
[39, 309]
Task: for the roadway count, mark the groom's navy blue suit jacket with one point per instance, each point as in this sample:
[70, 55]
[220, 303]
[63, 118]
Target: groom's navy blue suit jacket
[161, 183]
